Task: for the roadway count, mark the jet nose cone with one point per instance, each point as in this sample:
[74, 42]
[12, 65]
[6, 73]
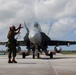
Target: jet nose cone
[35, 37]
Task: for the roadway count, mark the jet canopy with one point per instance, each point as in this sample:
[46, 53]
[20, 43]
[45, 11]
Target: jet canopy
[37, 26]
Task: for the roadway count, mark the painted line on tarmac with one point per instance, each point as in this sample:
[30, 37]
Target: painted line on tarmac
[55, 70]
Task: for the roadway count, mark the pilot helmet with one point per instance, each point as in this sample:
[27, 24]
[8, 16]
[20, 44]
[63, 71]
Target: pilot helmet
[12, 27]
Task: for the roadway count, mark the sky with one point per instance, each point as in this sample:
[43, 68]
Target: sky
[56, 16]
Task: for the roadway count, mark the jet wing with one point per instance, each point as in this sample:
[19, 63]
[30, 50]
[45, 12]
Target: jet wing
[21, 43]
[50, 43]
[3, 43]
[58, 42]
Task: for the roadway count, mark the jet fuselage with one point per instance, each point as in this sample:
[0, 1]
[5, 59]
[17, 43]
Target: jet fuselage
[35, 36]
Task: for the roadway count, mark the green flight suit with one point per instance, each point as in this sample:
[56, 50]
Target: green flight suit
[12, 43]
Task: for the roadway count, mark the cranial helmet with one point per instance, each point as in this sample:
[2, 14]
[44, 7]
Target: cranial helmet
[12, 27]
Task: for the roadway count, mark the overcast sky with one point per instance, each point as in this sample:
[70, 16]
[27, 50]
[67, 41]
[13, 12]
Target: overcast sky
[60, 14]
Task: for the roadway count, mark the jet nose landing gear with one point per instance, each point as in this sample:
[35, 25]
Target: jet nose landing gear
[51, 54]
[23, 55]
[36, 54]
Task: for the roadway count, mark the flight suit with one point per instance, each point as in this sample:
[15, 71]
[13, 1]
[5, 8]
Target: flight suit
[12, 48]
[12, 43]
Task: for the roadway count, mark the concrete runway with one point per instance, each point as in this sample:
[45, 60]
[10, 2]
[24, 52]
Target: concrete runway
[60, 65]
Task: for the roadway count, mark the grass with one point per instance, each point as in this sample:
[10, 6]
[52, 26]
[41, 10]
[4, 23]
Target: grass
[68, 52]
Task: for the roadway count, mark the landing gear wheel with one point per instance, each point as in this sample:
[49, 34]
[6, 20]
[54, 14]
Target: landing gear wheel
[51, 54]
[38, 55]
[23, 55]
[33, 55]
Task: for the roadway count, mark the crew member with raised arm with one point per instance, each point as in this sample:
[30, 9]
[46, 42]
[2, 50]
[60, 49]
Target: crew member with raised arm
[12, 43]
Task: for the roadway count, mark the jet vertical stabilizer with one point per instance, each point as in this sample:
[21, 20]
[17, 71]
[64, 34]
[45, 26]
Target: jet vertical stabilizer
[26, 28]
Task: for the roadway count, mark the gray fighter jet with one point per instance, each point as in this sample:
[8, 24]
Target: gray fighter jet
[37, 41]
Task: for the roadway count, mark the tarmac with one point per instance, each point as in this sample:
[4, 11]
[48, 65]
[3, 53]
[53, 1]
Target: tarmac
[59, 65]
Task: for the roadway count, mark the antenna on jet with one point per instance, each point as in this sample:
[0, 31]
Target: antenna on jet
[49, 29]
[26, 27]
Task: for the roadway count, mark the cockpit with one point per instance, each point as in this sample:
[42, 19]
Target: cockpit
[37, 26]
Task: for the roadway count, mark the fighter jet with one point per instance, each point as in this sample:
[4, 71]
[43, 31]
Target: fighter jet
[37, 42]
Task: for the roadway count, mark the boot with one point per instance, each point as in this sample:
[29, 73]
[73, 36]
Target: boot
[9, 61]
[14, 61]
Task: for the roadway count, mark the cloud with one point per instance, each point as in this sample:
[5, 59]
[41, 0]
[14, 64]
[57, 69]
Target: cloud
[61, 13]
[62, 27]
[68, 10]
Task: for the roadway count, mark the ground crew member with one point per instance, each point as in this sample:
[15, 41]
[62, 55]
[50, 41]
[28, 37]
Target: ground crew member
[12, 43]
